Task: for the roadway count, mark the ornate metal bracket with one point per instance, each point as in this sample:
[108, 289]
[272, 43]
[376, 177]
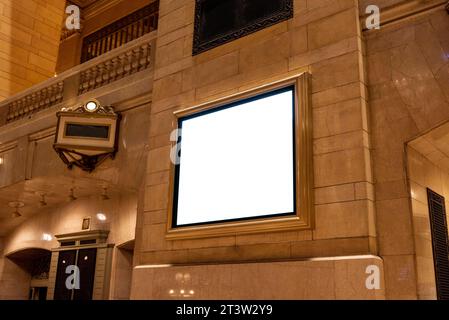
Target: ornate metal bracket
[87, 135]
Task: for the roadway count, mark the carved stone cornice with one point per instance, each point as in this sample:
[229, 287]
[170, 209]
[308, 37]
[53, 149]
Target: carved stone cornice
[99, 7]
[405, 10]
[8, 146]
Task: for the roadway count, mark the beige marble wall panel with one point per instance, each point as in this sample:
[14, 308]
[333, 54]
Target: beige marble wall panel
[406, 65]
[344, 193]
[29, 41]
[321, 279]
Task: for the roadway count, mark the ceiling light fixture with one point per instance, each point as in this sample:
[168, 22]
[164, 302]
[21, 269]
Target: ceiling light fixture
[104, 194]
[72, 195]
[16, 205]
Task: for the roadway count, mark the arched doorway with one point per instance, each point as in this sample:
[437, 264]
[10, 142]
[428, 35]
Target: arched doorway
[28, 270]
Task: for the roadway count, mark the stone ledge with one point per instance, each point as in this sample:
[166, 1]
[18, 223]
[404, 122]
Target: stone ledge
[325, 278]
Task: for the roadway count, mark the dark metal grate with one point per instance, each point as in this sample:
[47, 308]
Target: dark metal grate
[440, 243]
[221, 21]
[122, 31]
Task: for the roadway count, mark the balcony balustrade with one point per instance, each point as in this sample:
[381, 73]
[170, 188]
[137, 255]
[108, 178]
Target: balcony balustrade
[115, 35]
[120, 63]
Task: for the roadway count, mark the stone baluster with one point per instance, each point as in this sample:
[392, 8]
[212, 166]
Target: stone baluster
[92, 77]
[51, 95]
[46, 98]
[15, 115]
[105, 75]
[142, 57]
[84, 81]
[11, 110]
[26, 108]
[121, 68]
[136, 59]
[31, 101]
[148, 61]
[26, 101]
[114, 67]
[99, 78]
[60, 91]
[41, 100]
[128, 62]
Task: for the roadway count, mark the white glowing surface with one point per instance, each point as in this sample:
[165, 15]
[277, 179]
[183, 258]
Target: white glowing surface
[238, 162]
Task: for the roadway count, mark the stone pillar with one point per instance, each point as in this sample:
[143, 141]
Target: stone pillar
[323, 38]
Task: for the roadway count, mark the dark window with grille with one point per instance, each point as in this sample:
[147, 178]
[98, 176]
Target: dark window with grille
[438, 223]
[221, 21]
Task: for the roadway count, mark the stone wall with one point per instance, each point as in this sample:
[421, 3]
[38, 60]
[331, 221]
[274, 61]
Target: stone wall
[29, 41]
[407, 65]
[324, 39]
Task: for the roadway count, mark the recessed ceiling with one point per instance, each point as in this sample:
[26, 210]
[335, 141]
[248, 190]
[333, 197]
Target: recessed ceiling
[57, 191]
[434, 145]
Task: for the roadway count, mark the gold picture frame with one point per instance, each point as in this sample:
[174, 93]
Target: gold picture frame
[304, 211]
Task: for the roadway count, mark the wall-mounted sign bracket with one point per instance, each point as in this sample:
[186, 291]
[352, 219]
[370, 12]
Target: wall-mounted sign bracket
[87, 135]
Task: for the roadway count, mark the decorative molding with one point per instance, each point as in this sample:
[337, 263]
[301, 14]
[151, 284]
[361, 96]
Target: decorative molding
[405, 10]
[106, 110]
[100, 235]
[42, 134]
[8, 146]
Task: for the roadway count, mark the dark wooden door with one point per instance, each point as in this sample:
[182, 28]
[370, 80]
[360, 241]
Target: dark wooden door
[85, 260]
[66, 258]
[440, 243]
[86, 265]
